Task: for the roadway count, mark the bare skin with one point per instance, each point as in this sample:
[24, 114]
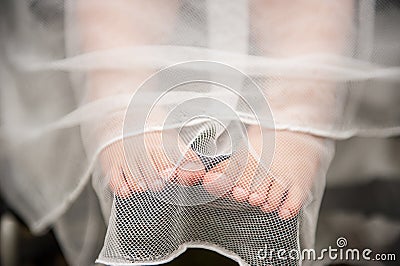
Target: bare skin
[112, 24]
[297, 155]
[284, 30]
[136, 177]
[290, 176]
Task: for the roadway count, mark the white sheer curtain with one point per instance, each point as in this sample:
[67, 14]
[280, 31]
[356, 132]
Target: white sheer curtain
[78, 78]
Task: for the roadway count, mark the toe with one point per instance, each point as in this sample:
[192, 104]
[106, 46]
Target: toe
[274, 197]
[242, 189]
[119, 185]
[190, 171]
[259, 196]
[134, 184]
[240, 194]
[162, 169]
[217, 183]
[292, 204]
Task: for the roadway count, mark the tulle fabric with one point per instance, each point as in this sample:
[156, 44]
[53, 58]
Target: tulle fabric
[69, 85]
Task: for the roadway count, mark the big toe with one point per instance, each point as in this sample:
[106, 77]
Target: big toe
[191, 170]
[217, 183]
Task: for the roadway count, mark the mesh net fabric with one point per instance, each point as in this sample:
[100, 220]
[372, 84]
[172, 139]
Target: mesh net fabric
[207, 153]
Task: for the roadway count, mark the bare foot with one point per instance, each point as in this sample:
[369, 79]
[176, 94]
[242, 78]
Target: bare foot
[287, 183]
[151, 170]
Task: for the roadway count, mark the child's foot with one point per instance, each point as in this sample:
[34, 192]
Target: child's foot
[113, 163]
[288, 181]
[154, 169]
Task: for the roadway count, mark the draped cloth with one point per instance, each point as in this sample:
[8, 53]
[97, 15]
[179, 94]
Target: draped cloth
[88, 85]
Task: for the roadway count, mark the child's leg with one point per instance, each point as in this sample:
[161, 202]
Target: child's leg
[285, 30]
[118, 24]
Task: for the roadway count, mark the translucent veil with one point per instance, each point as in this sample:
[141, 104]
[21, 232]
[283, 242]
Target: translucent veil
[122, 112]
